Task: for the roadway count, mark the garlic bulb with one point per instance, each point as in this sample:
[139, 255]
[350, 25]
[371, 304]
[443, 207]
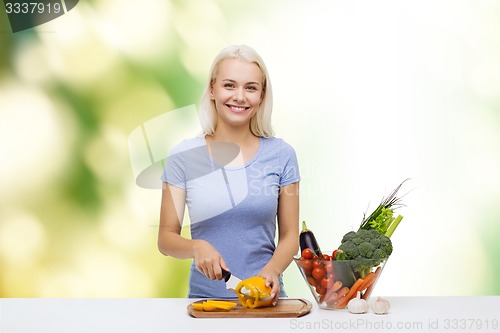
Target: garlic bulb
[381, 306]
[357, 305]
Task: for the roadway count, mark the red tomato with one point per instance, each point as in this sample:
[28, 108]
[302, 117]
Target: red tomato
[318, 273]
[327, 282]
[325, 257]
[328, 268]
[307, 253]
[317, 263]
[306, 265]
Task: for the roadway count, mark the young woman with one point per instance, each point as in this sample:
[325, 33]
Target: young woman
[238, 181]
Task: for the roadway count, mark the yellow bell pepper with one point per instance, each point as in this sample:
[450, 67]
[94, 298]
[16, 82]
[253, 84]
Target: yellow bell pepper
[212, 305]
[259, 294]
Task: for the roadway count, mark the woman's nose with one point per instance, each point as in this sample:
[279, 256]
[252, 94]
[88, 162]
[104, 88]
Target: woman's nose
[239, 96]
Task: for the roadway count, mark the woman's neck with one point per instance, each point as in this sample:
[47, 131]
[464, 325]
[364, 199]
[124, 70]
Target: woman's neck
[247, 142]
[239, 136]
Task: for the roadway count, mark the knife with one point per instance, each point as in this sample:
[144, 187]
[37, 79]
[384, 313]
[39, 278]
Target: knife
[231, 280]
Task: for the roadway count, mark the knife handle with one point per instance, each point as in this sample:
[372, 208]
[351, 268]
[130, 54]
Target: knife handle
[226, 275]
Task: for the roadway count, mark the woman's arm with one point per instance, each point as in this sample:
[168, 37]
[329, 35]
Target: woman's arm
[170, 243]
[288, 236]
[207, 259]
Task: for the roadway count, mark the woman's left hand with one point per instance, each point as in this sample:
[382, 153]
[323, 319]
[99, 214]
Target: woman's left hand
[272, 280]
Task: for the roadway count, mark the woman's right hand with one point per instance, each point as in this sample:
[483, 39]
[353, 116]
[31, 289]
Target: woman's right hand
[208, 260]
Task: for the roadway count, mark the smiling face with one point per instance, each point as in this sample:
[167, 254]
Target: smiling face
[237, 92]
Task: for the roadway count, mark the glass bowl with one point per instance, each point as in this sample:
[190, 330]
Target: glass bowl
[334, 282]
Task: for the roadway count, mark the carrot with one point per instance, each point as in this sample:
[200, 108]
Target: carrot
[329, 294]
[368, 291]
[342, 302]
[368, 280]
[336, 296]
[369, 288]
[336, 286]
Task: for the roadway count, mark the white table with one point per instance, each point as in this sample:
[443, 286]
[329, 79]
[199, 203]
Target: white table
[408, 314]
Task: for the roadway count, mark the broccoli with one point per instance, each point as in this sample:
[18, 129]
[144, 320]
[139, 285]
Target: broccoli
[357, 240]
[362, 266]
[386, 245]
[364, 234]
[366, 249]
[350, 249]
[379, 254]
[350, 235]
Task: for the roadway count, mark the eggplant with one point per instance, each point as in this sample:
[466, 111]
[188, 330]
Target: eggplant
[308, 240]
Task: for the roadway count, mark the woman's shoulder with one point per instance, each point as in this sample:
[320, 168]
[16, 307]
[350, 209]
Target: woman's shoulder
[276, 142]
[187, 144]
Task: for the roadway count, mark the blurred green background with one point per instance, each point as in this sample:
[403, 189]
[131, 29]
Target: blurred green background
[369, 93]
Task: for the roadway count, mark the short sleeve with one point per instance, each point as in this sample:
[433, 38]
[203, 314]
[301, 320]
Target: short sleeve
[290, 166]
[174, 170]
[187, 161]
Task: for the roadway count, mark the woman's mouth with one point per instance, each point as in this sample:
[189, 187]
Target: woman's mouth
[237, 109]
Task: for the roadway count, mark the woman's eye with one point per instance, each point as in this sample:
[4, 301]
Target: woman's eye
[228, 85]
[252, 88]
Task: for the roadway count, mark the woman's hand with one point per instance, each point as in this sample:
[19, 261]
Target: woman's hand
[272, 280]
[208, 260]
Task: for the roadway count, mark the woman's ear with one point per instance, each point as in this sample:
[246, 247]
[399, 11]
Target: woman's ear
[212, 90]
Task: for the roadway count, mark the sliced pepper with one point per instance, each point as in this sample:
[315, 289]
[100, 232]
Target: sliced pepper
[259, 294]
[226, 305]
[212, 305]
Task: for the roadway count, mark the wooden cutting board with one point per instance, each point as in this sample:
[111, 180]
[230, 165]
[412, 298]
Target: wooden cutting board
[285, 308]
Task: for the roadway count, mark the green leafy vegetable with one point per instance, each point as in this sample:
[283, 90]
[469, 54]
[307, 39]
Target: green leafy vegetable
[382, 218]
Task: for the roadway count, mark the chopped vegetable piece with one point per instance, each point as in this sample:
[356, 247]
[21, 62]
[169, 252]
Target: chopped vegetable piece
[214, 305]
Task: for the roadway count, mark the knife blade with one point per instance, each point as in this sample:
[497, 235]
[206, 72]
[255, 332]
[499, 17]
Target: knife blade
[231, 280]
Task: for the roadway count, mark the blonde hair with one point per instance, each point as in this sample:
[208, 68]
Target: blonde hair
[260, 124]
